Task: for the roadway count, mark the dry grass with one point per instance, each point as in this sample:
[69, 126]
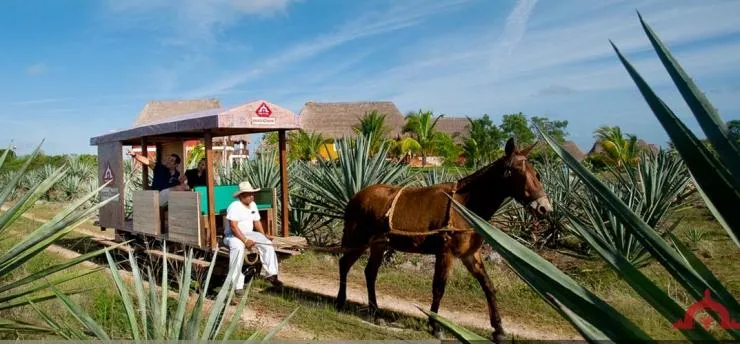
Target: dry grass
[402, 280]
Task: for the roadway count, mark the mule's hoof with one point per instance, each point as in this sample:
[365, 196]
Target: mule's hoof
[498, 337]
[435, 330]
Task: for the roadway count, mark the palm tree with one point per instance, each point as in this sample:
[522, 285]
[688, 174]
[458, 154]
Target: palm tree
[619, 149]
[403, 147]
[372, 126]
[305, 146]
[421, 125]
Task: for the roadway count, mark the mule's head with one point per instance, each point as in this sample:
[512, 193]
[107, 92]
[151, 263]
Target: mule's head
[522, 181]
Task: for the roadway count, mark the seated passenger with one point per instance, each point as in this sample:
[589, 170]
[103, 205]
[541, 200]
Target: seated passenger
[242, 228]
[197, 176]
[166, 177]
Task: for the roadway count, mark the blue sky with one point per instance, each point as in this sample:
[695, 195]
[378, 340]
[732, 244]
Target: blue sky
[64, 63]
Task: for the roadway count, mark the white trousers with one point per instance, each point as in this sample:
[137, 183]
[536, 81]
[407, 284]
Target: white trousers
[268, 257]
[164, 197]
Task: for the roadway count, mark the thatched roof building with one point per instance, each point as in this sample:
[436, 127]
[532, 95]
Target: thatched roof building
[456, 127]
[335, 120]
[596, 148]
[648, 146]
[572, 148]
[641, 144]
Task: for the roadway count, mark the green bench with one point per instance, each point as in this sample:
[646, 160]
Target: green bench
[224, 195]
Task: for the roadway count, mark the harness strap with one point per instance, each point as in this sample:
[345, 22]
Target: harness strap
[250, 262]
[392, 209]
[428, 233]
[449, 207]
[446, 229]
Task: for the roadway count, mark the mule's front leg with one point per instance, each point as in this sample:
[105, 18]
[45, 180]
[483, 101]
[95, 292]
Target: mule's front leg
[474, 264]
[441, 273]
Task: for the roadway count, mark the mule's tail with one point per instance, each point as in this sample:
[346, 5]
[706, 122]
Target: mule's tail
[355, 235]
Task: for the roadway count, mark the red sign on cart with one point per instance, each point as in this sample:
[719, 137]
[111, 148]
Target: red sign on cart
[263, 110]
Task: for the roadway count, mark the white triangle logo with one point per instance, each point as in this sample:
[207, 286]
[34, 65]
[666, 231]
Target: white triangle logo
[108, 175]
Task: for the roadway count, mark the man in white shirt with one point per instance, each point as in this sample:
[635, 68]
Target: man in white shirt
[242, 228]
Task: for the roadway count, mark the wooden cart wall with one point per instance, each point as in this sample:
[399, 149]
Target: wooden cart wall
[110, 169]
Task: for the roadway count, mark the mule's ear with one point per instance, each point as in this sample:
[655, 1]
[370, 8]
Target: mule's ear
[526, 151]
[510, 147]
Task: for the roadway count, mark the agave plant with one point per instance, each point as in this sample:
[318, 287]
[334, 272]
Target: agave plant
[660, 181]
[307, 223]
[148, 316]
[16, 288]
[132, 182]
[654, 188]
[596, 218]
[716, 181]
[437, 176]
[329, 185]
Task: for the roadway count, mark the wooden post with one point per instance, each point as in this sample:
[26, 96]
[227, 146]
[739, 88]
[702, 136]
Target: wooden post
[284, 182]
[144, 168]
[211, 197]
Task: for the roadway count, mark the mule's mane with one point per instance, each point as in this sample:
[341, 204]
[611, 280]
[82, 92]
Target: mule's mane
[467, 180]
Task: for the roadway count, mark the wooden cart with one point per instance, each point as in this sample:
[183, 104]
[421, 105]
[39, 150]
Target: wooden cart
[194, 219]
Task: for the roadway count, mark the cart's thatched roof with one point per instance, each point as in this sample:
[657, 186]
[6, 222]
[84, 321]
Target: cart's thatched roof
[158, 110]
[335, 120]
[161, 122]
[456, 127]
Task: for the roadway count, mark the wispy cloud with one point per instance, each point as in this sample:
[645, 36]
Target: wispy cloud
[516, 26]
[192, 22]
[52, 104]
[555, 90]
[40, 101]
[36, 69]
[399, 16]
[513, 32]
[564, 68]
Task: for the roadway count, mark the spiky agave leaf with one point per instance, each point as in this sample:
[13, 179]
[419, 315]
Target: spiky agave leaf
[706, 115]
[687, 276]
[545, 278]
[461, 333]
[329, 185]
[153, 310]
[717, 182]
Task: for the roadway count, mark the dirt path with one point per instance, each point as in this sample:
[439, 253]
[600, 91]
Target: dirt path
[357, 294]
[392, 303]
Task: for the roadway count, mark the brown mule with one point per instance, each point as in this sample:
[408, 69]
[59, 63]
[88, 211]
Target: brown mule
[414, 211]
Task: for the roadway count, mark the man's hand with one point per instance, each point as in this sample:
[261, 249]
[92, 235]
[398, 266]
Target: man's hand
[184, 184]
[249, 243]
[131, 153]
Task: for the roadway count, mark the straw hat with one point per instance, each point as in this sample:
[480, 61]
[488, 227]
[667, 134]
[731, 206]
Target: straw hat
[245, 187]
